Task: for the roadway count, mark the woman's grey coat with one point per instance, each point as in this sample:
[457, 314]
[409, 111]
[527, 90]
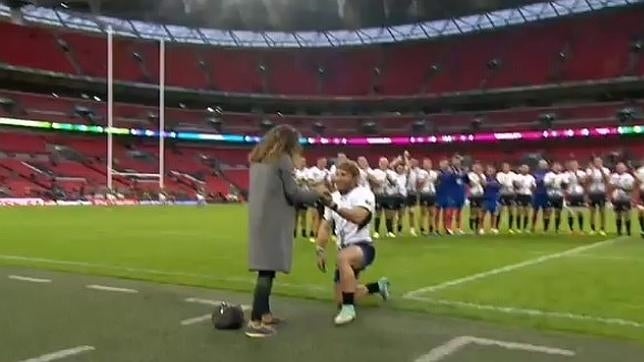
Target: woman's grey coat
[272, 195]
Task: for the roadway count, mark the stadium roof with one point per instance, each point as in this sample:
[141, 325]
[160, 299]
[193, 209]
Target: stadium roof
[64, 16]
[281, 15]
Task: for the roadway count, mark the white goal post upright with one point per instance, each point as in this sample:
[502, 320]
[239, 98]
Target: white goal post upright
[110, 104]
[161, 113]
[110, 117]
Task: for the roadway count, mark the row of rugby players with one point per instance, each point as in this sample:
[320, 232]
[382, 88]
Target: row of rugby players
[402, 183]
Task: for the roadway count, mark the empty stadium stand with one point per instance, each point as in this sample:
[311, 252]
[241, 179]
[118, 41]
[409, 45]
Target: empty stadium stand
[61, 109]
[36, 162]
[544, 52]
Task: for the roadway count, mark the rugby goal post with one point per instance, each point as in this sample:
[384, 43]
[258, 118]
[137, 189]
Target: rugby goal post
[111, 172]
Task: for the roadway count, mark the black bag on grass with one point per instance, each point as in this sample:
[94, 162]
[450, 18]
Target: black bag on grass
[227, 316]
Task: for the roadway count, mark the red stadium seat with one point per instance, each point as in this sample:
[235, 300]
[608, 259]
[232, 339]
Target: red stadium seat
[527, 55]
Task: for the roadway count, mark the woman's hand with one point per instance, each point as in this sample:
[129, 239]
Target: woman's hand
[321, 189]
[324, 194]
[327, 199]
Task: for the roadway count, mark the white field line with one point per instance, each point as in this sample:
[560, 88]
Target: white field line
[195, 320]
[61, 354]
[204, 301]
[596, 256]
[509, 268]
[29, 279]
[533, 312]
[249, 281]
[111, 289]
[458, 343]
[245, 307]
[610, 258]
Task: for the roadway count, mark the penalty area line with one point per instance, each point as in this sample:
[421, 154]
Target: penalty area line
[511, 267]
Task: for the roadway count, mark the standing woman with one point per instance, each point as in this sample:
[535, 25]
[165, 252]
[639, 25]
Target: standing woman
[272, 197]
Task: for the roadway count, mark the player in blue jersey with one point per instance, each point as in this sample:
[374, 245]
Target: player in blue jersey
[491, 199]
[443, 184]
[458, 191]
[540, 199]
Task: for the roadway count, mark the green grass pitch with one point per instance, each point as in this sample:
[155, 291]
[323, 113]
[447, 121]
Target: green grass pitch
[601, 287]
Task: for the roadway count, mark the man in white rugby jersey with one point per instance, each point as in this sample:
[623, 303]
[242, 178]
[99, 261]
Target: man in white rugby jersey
[597, 180]
[340, 158]
[363, 180]
[317, 175]
[411, 201]
[399, 197]
[623, 184]
[302, 179]
[555, 182]
[427, 177]
[525, 185]
[476, 180]
[378, 179]
[391, 200]
[575, 195]
[506, 178]
[201, 197]
[640, 204]
[350, 211]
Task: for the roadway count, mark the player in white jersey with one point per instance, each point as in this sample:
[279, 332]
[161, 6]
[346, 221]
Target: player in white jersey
[378, 179]
[640, 206]
[400, 195]
[201, 197]
[575, 195]
[163, 197]
[317, 175]
[427, 186]
[476, 180]
[412, 194]
[363, 164]
[555, 182]
[301, 179]
[350, 210]
[508, 194]
[391, 199]
[525, 185]
[340, 158]
[623, 184]
[597, 180]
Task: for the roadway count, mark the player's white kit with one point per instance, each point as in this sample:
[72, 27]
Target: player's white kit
[380, 178]
[349, 233]
[506, 179]
[525, 184]
[623, 185]
[317, 176]
[427, 181]
[555, 186]
[476, 184]
[640, 179]
[596, 178]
